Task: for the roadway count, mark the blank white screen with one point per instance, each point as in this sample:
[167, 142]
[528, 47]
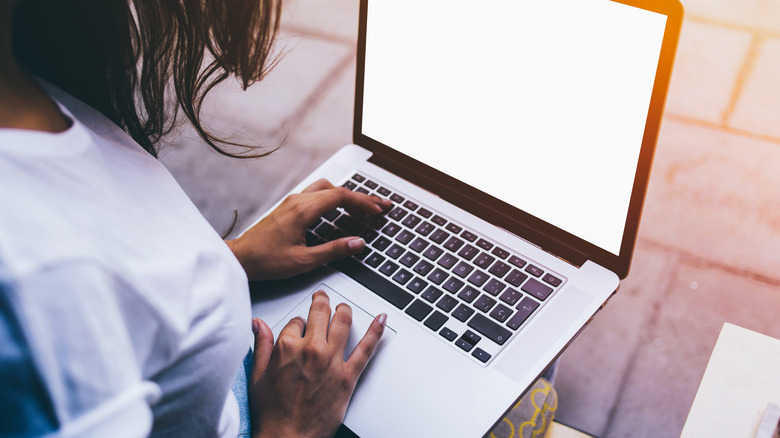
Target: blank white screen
[539, 103]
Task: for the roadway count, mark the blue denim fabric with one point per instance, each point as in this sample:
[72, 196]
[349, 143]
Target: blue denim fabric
[241, 390]
[25, 406]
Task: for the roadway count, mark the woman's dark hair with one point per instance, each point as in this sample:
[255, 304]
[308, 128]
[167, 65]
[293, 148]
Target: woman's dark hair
[92, 49]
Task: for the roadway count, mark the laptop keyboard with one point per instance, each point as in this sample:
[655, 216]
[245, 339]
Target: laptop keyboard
[473, 293]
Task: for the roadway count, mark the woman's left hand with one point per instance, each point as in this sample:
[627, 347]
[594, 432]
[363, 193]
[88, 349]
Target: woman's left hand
[276, 248]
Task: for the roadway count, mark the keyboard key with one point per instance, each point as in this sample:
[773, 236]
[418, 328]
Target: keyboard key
[395, 197]
[499, 269]
[402, 277]
[331, 215]
[551, 279]
[369, 235]
[464, 345]
[447, 303]
[423, 268]
[439, 236]
[484, 244]
[448, 334]
[500, 253]
[397, 214]
[425, 213]
[391, 229]
[468, 235]
[484, 260]
[358, 177]
[411, 221]
[433, 252]
[384, 191]
[375, 260]
[453, 244]
[411, 205]
[517, 261]
[435, 321]
[438, 220]
[417, 285]
[388, 268]
[409, 259]
[463, 269]
[382, 243]
[418, 310]
[462, 313]
[349, 185]
[511, 296]
[452, 285]
[481, 355]
[478, 278]
[432, 294]
[374, 282]
[468, 252]
[437, 276]
[349, 224]
[454, 228]
[425, 228]
[516, 278]
[419, 244]
[536, 289]
[534, 270]
[471, 337]
[395, 251]
[363, 254]
[501, 313]
[378, 222]
[468, 294]
[312, 239]
[485, 303]
[490, 329]
[447, 261]
[361, 190]
[405, 236]
[524, 310]
[324, 230]
[494, 287]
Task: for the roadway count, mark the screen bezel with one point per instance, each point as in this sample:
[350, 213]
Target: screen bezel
[549, 237]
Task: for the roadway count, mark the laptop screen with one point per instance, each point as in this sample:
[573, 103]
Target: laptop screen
[541, 104]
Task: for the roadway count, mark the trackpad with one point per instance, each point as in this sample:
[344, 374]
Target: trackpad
[361, 320]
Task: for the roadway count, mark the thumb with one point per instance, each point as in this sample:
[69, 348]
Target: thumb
[337, 249]
[264, 344]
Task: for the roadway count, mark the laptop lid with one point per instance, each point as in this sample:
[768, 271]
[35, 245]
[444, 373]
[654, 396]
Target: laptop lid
[539, 116]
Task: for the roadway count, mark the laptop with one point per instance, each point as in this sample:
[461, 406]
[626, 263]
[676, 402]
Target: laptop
[515, 138]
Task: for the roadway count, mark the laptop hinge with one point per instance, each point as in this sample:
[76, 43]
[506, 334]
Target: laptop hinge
[447, 188]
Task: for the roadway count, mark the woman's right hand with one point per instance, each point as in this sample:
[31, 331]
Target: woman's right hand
[301, 386]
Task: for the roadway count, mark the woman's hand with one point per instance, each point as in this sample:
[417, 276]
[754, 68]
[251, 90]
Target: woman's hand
[301, 386]
[276, 247]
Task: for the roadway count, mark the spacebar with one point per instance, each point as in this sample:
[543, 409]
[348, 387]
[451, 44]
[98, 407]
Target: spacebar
[374, 282]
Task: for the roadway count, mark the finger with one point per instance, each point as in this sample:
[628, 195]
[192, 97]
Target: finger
[264, 345]
[294, 328]
[326, 252]
[320, 184]
[365, 348]
[319, 316]
[339, 327]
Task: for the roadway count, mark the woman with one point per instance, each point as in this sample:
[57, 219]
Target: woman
[122, 312]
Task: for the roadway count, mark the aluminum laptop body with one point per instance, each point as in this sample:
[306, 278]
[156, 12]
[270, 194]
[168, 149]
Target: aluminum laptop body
[527, 125]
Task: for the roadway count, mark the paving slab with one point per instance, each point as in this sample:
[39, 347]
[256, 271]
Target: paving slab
[708, 64]
[268, 113]
[716, 195]
[333, 18]
[676, 348]
[592, 369]
[755, 14]
[758, 107]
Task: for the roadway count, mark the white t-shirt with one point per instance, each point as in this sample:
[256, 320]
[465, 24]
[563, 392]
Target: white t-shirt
[136, 313]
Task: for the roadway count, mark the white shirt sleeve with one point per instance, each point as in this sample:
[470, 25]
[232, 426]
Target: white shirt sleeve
[76, 323]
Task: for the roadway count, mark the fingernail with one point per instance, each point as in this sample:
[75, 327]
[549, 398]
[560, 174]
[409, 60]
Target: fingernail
[255, 325]
[382, 319]
[356, 244]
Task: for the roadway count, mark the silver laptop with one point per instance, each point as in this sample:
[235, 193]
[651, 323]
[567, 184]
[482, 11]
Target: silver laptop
[516, 138]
